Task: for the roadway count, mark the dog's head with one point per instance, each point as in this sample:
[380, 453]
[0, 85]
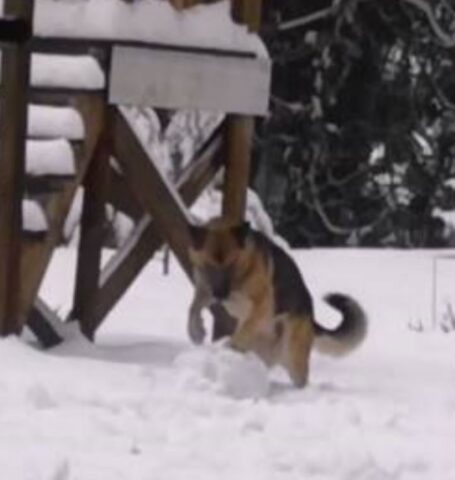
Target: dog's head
[217, 252]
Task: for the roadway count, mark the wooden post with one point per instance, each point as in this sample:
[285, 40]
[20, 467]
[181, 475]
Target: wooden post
[239, 130]
[238, 143]
[247, 12]
[13, 130]
[93, 230]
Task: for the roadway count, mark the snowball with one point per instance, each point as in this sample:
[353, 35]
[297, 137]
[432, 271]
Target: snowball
[234, 374]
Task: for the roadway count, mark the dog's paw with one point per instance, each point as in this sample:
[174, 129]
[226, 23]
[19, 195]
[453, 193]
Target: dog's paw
[196, 330]
[236, 343]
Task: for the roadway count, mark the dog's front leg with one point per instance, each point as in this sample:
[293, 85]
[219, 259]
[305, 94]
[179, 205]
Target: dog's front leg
[256, 334]
[202, 299]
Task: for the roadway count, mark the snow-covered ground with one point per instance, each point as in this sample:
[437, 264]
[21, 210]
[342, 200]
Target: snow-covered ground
[143, 404]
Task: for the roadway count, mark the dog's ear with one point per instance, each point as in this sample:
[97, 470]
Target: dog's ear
[197, 235]
[241, 232]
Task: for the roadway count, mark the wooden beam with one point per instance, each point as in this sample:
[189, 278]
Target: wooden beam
[121, 197]
[210, 82]
[42, 321]
[123, 268]
[35, 260]
[151, 188]
[14, 30]
[158, 199]
[247, 12]
[238, 134]
[93, 228]
[102, 46]
[13, 130]
[239, 130]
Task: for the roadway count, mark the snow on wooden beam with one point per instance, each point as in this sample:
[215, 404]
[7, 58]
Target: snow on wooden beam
[171, 79]
[50, 122]
[50, 157]
[77, 72]
[151, 21]
[69, 71]
[55, 122]
[33, 219]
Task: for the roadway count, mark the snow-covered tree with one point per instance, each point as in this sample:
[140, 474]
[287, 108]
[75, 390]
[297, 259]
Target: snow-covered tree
[359, 147]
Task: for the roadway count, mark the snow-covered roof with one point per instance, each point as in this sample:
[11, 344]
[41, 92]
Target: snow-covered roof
[150, 21]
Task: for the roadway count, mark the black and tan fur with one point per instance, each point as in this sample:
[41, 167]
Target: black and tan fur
[261, 287]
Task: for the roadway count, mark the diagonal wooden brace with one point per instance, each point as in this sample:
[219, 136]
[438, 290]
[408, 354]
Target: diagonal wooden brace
[147, 238]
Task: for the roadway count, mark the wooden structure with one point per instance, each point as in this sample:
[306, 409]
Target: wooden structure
[139, 184]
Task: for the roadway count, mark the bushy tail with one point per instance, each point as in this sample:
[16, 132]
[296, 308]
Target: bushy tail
[349, 334]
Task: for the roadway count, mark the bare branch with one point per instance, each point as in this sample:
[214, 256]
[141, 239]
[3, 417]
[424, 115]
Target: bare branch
[447, 40]
[307, 19]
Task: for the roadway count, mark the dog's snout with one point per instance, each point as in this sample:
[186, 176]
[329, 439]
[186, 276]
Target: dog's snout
[220, 282]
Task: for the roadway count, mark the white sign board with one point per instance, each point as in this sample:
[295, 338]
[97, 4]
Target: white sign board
[177, 79]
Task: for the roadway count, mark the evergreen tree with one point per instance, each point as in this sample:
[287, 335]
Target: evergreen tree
[359, 146]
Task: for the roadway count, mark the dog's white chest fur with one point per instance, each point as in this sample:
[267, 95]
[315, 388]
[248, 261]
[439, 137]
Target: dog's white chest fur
[239, 306]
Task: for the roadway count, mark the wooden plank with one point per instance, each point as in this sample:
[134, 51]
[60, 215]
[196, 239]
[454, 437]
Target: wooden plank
[151, 188]
[121, 197]
[35, 261]
[239, 131]
[247, 12]
[239, 134]
[42, 322]
[14, 30]
[15, 78]
[101, 47]
[93, 229]
[167, 79]
[124, 267]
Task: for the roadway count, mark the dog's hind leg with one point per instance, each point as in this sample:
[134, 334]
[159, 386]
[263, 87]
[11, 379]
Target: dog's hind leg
[296, 342]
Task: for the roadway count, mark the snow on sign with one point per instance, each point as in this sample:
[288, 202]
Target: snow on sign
[190, 79]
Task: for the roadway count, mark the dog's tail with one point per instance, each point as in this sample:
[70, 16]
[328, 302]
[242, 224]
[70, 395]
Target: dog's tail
[349, 334]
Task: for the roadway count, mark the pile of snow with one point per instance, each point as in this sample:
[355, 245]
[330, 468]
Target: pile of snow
[154, 406]
[229, 373]
[144, 403]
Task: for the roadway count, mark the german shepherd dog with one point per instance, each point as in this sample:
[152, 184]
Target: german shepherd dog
[259, 284]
